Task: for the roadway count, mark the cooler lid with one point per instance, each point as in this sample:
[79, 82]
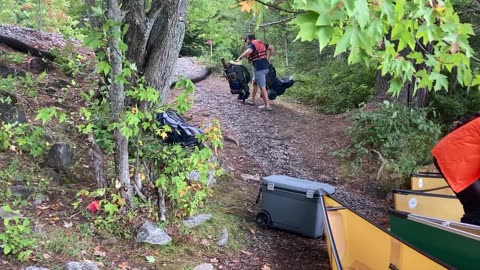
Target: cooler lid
[298, 185]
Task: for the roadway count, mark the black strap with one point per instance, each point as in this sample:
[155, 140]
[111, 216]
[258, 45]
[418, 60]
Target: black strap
[259, 195]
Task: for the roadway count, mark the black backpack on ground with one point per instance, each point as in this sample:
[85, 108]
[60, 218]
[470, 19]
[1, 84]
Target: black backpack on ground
[238, 78]
[181, 132]
[276, 86]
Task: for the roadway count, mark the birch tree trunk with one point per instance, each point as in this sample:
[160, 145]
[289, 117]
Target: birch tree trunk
[117, 99]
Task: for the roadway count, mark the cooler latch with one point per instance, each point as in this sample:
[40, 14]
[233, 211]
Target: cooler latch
[271, 186]
[310, 193]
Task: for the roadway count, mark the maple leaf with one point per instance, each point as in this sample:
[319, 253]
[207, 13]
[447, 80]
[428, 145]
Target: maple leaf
[247, 5]
[94, 206]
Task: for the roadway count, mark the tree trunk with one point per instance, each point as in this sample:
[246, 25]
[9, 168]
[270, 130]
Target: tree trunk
[154, 39]
[407, 95]
[164, 45]
[382, 83]
[97, 158]
[117, 99]
[286, 51]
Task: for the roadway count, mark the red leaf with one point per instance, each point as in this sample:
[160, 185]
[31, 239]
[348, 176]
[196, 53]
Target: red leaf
[94, 206]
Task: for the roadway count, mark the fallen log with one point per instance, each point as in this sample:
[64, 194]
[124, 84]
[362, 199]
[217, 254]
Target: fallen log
[202, 75]
[25, 48]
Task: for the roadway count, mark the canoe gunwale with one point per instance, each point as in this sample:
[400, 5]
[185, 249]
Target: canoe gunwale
[441, 224]
[422, 193]
[329, 232]
[388, 232]
[427, 174]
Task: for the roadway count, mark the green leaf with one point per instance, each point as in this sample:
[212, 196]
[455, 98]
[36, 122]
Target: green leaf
[97, 11]
[350, 7]
[344, 42]
[395, 86]
[324, 36]
[362, 12]
[476, 80]
[417, 56]
[104, 67]
[150, 259]
[440, 80]
[308, 29]
[7, 249]
[388, 11]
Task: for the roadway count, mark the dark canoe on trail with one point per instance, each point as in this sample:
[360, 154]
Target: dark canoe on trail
[431, 183]
[428, 204]
[455, 243]
[355, 243]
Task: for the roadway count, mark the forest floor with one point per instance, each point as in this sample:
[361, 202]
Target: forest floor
[293, 139]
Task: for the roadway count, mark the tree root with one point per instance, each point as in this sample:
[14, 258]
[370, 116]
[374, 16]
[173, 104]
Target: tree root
[384, 162]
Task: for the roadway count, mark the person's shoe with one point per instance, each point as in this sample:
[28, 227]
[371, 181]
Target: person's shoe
[265, 108]
[250, 102]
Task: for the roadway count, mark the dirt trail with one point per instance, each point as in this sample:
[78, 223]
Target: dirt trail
[292, 140]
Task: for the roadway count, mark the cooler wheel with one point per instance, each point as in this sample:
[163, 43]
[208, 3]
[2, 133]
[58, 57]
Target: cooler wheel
[263, 219]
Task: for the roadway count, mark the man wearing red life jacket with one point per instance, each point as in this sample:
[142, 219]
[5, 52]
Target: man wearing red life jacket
[457, 157]
[258, 54]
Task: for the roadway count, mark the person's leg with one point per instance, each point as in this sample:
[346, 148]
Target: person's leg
[254, 91]
[265, 97]
[260, 78]
[469, 198]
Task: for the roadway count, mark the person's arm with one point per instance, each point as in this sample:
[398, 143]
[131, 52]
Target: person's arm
[270, 51]
[244, 54]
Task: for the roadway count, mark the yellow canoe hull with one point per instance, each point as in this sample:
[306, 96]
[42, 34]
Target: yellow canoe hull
[440, 206]
[354, 243]
[431, 183]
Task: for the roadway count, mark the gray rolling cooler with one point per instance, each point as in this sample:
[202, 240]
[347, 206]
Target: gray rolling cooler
[292, 204]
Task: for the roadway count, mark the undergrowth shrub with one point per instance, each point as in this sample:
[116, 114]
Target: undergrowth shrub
[16, 236]
[454, 105]
[402, 136]
[336, 87]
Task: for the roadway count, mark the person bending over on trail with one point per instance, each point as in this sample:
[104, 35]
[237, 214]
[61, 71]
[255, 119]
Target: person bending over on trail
[258, 54]
[457, 157]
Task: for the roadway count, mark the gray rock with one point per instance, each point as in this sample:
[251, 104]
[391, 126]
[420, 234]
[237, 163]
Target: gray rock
[196, 220]
[249, 177]
[226, 168]
[36, 268]
[21, 191]
[39, 198]
[194, 176]
[55, 177]
[81, 266]
[4, 214]
[5, 71]
[204, 266]
[150, 233]
[223, 241]
[60, 157]
[10, 114]
[38, 65]
[211, 179]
